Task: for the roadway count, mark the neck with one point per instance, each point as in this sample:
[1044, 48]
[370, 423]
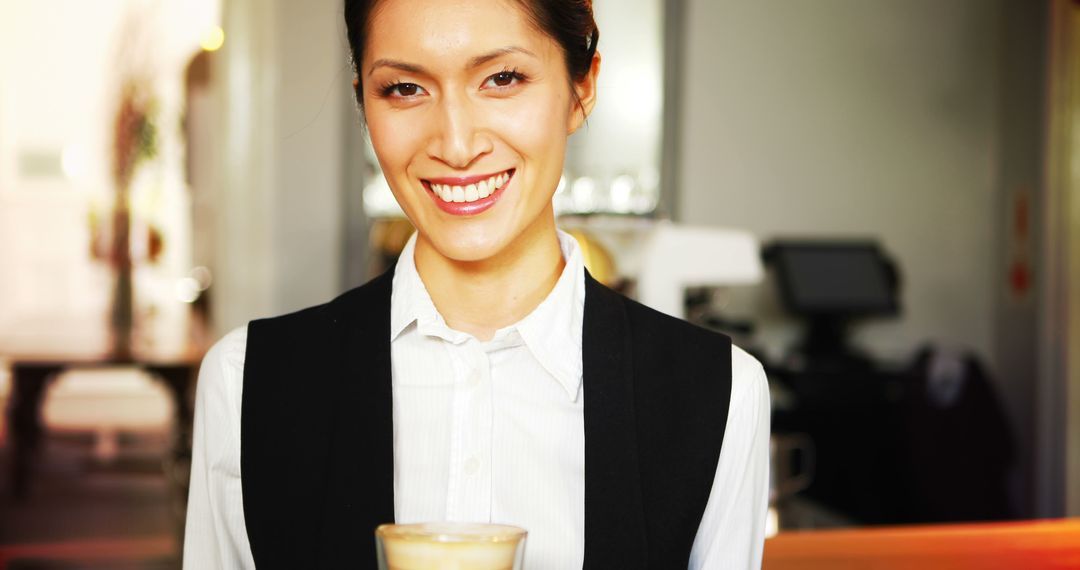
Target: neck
[480, 297]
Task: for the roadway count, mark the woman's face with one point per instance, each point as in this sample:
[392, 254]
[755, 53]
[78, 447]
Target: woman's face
[469, 107]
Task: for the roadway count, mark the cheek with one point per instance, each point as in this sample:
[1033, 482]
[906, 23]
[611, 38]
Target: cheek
[536, 127]
[397, 143]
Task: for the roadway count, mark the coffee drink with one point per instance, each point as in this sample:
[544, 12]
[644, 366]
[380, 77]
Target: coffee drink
[450, 546]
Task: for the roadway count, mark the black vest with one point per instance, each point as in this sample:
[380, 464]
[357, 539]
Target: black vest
[317, 453]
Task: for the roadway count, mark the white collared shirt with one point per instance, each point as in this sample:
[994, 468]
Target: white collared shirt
[487, 432]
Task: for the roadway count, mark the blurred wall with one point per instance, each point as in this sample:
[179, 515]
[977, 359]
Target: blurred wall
[847, 118]
[916, 122]
[284, 74]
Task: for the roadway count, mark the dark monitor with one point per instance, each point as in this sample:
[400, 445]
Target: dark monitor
[834, 279]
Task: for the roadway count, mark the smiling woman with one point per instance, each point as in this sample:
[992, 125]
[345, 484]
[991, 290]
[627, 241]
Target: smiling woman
[468, 99]
[487, 377]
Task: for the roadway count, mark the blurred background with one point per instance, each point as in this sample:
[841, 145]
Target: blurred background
[879, 199]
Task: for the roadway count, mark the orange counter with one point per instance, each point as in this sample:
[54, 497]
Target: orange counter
[1021, 545]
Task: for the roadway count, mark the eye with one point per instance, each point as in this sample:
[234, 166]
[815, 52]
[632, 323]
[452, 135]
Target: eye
[503, 79]
[402, 90]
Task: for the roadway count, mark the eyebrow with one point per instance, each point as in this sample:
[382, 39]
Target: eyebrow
[473, 63]
[482, 59]
[406, 67]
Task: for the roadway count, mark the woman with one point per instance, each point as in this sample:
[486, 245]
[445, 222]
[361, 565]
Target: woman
[487, 377]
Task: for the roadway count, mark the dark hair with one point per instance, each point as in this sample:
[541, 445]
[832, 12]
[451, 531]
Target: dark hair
[569, 22]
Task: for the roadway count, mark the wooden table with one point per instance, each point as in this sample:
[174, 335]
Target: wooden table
[1050, 544]
[30, 376]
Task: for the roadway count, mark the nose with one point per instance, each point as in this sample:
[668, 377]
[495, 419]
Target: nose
[458, 139]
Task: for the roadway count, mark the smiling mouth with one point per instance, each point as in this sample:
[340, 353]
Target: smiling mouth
[474, 190]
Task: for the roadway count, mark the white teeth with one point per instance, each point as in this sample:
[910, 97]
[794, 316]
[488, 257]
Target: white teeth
[472, 192]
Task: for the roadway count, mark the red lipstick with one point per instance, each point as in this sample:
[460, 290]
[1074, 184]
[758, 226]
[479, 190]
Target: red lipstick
[467, 208]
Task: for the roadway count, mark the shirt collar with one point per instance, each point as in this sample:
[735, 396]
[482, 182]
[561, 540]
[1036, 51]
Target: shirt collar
[551, 332]
[409, 299]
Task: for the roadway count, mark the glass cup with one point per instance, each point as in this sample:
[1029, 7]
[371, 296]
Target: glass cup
[450, 546]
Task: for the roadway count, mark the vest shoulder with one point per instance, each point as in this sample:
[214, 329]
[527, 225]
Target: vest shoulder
[669, 330]
[312, 321]
[678, 353]
[293, 324]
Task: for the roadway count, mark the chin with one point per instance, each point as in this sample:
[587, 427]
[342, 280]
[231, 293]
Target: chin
[471, 245]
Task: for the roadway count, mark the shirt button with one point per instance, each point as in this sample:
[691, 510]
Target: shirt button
[472, 466]
[474, 380]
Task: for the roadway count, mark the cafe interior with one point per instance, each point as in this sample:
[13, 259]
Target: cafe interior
[879, 200]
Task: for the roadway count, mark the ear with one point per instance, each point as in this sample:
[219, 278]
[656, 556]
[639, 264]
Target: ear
[586, 96]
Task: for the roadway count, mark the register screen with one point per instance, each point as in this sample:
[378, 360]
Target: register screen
[836, 279]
